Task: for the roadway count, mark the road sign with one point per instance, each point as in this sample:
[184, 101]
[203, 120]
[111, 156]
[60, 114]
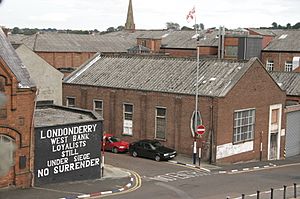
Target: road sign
[200, 129]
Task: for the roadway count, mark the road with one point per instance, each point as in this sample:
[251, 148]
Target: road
[164, 180]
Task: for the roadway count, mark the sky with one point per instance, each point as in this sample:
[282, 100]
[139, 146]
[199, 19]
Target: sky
[148, 14]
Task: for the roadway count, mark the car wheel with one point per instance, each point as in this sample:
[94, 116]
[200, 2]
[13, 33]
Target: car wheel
[157, 158]
[114, 150]
[134, 154]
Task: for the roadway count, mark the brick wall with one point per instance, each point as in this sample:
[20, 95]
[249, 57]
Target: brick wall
[18, 126]
[179, 112]
[255, 89]
[180, 52]
[279, 58]
[65, 59]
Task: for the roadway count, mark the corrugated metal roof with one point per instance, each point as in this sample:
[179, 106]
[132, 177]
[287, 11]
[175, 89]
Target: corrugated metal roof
[10, 57]
[288, 81]
[171, 75]
[285, 41]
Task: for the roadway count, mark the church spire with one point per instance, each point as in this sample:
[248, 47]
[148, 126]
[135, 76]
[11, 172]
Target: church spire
[129, 25]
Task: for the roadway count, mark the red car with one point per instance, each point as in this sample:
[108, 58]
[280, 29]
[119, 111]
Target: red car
[114, 144]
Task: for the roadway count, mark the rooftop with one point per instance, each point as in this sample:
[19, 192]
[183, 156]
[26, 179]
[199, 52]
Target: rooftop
[12, 60]
[50, 115]
[288, 81]
[160, 74]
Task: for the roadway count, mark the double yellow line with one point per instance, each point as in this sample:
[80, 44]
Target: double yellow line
[137, 184]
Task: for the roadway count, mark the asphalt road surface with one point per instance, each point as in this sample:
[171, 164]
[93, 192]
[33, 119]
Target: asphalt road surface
[164, 180]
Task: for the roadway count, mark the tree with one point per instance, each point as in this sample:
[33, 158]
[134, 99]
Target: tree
[172, 26]
[288, 26]
[120, 28]
[274, 25]
[201, 26]
[16, 30]
[110, 29]
[296, 26]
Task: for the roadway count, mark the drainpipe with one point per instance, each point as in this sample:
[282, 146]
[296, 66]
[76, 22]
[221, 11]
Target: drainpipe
[211, 132]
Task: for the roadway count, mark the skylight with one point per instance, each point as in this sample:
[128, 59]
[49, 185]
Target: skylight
[283, 36]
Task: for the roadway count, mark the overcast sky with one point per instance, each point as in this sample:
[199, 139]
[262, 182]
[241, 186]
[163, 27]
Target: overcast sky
[148, 14]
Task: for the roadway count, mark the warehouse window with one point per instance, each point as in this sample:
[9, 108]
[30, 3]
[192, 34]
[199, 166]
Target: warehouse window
[270, 65]
[98, 107]
[160, 123]
[70, 101]
[243, 129]
[127, 119]
[288, 66]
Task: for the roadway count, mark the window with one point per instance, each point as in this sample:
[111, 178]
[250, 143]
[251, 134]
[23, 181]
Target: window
[288, 66]
[9, 144]
[127, 119]
[275, 115]
[243, 129]
[160, 123]
[71, 101]
[98, 107]
[2, 83]
[231, 51]
[270, 65]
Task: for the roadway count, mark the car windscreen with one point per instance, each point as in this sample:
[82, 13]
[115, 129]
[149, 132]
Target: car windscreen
[156, 144]
[114, 139]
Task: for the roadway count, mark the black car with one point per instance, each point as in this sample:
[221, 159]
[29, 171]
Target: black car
[151, 149]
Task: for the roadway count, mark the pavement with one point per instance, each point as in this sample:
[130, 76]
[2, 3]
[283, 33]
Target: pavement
[117, 180]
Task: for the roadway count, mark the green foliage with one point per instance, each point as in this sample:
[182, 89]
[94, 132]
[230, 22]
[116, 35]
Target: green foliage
[288, 26]
[31, 31]
[172, 26]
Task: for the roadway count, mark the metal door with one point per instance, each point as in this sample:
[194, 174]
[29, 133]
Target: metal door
[293, 134]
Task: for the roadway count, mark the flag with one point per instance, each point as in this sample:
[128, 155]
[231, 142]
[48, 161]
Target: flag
[191, 15]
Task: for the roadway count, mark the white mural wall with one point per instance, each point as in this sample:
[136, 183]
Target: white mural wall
[229, 149]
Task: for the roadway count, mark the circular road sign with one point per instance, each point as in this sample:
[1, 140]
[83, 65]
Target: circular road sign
[200, 129]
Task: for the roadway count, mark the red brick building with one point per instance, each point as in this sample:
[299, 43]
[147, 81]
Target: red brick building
[16, 118]
[283, 53]
[154, 97]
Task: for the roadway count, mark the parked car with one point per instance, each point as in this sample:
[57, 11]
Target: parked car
[151, 149]
[114, 144]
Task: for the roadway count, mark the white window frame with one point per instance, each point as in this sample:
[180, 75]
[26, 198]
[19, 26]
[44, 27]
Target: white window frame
[243, 125]
[288, 66]
[68, 103]
[96, 109]
[127, 123]
[270, 65]
[157, 117]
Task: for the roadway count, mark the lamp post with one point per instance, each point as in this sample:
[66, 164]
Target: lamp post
[196, 108]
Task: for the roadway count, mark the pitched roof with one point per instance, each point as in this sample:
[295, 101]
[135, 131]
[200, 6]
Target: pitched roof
[287, 40]
[114, 42]
[10, 57]
[265, 32]
[288, 81]
[170, 75]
